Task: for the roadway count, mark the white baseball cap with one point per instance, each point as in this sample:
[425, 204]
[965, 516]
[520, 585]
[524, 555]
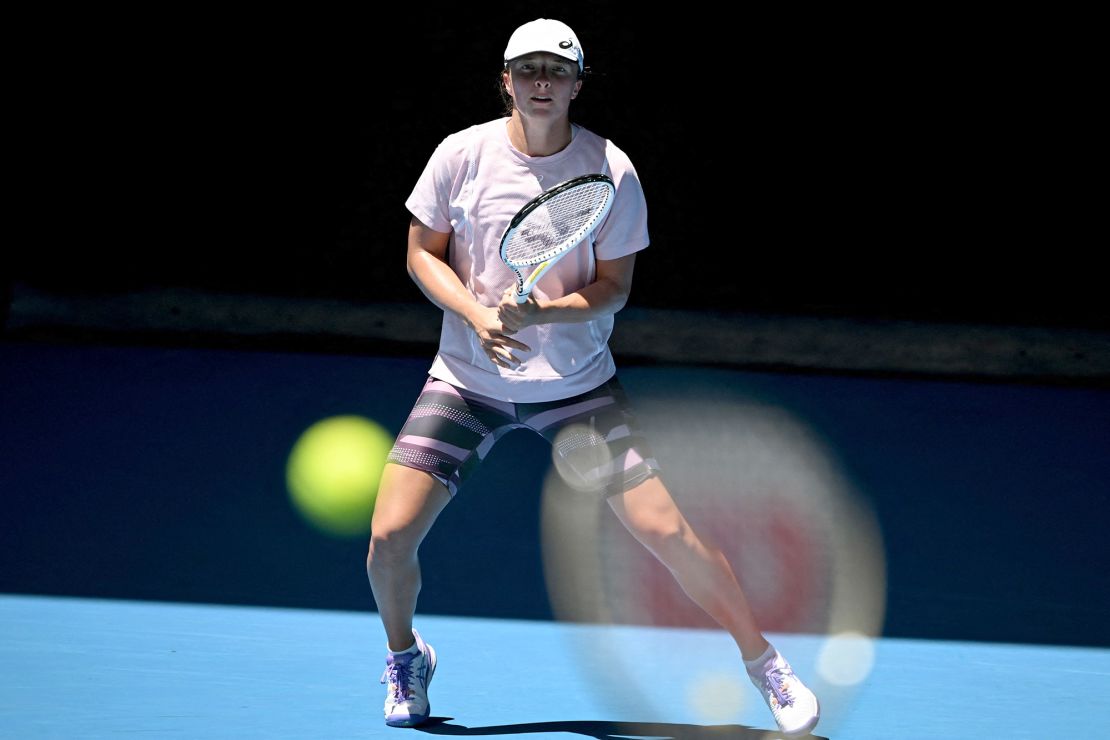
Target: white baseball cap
[544, 34]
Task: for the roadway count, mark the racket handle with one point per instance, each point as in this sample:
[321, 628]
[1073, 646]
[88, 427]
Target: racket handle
[522, 297]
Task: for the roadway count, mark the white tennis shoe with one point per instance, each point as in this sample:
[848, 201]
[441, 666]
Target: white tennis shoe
[792, 703]
[408, 676]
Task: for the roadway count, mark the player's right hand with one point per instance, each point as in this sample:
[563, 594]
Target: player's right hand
[494, 338]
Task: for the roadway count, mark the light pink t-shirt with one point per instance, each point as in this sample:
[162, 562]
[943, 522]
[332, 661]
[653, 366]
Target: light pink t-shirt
[473, 185]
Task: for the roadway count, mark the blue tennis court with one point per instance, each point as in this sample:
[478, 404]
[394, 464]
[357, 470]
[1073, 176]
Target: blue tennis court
[96, 668]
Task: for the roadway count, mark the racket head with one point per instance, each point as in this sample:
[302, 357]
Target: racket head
[556, 220]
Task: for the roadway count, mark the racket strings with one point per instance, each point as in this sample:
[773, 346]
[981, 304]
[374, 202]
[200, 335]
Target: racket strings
[557, 224]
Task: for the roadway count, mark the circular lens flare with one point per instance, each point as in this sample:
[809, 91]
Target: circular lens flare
[846, 659]
[716, 697]
[581, 456]
[763, 488]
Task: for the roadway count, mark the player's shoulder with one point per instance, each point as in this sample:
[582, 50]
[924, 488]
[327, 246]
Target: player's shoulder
[464, 139]
[462, 146]
[618, 160]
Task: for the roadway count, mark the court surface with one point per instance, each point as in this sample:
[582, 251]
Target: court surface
[98, 668]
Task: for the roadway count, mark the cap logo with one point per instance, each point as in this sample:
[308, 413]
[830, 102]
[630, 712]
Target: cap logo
[565, 44]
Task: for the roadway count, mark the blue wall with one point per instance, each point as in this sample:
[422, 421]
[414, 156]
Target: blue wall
[158, 473]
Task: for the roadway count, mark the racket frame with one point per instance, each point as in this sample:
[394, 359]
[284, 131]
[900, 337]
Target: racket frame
[541, 266]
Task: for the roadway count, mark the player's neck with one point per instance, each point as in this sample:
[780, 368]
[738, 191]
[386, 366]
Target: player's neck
[539, 138]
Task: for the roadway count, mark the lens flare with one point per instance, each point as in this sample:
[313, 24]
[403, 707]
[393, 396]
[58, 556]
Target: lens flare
[716, 697]
[762, 487]
[846, 659]
[580, 456]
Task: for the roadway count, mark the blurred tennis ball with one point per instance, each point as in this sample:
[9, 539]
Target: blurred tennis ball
[333, 473]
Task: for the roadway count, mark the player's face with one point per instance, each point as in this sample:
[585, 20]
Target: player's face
[542, 84]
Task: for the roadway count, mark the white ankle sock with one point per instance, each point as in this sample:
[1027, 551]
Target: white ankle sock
[403, 652]
[758, 663]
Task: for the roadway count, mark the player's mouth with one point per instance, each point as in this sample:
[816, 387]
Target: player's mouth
[541, 99]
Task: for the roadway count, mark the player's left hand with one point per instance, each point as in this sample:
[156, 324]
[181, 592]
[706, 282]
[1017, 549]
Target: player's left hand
[516, 316]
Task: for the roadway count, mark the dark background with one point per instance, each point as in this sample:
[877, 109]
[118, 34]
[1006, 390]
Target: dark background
[898, 164]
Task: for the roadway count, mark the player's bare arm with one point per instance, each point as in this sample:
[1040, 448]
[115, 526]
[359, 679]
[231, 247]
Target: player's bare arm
[603, 297]
[427, 266]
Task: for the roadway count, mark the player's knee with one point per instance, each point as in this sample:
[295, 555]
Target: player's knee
[388, 547]
[658, 534]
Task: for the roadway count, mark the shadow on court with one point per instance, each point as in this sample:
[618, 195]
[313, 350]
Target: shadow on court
[608, 730]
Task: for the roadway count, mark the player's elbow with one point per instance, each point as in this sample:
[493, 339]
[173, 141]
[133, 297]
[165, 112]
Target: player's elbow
[616, 275]
[417, 264]
[410, 267]
[424, 244]
[619, 302]
[618, 296]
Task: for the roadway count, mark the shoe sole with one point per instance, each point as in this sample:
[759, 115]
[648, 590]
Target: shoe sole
[807, 729]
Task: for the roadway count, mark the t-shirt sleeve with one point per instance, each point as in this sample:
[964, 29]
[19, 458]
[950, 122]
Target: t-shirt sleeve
[430, 198]
[624, 230]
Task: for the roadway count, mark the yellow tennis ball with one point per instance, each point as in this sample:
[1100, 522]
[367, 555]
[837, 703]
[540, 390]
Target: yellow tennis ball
[333, 473]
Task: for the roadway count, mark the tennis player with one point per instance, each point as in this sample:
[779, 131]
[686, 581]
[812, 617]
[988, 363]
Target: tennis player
[541, 365]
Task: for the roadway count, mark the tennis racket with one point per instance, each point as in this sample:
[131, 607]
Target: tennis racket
[552, 224]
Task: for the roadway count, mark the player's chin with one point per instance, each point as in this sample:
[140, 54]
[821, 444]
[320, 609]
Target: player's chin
[545, 107]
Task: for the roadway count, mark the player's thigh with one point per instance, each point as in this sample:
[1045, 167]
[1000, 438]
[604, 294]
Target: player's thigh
[409, 500]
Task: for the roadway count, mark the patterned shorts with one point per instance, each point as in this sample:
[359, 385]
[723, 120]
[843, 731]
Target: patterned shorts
[450, 431]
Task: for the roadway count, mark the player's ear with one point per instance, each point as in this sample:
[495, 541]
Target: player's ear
[577, 89]
[506, 82]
